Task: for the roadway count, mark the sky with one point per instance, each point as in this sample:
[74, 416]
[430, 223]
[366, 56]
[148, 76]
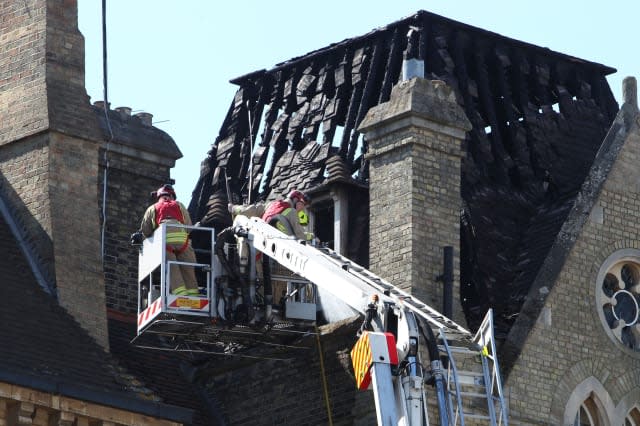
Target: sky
[175, 59]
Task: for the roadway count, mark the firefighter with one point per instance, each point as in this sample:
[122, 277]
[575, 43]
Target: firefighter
[168, 210]
[280, 213]
[303, 219]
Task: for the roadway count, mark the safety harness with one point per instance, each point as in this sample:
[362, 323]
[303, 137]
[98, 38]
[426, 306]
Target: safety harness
[167, 210]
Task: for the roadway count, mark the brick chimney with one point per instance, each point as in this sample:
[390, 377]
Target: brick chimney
[415, 152]
[54, 150]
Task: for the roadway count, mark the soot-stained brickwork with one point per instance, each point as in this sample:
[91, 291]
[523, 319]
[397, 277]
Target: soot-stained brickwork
[538, 118]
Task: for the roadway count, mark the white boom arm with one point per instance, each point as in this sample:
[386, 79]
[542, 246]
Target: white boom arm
[400, 399]
[347, 281]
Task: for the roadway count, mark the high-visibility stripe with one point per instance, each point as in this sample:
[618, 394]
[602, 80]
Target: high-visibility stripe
[370, 346]
[146, 315]
[177, 237]
[362, 358]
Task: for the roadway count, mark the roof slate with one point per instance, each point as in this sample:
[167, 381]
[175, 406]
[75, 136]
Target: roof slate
[164, 372]
[43, 347]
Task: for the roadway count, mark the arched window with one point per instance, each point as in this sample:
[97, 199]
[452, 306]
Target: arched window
[588, 414]
[633, 418]
[590, 405]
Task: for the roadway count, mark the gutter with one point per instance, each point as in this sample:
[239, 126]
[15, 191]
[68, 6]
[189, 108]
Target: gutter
[113, 399]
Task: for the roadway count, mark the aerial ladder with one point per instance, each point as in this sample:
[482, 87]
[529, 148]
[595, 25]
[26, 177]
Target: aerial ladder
[397, 327]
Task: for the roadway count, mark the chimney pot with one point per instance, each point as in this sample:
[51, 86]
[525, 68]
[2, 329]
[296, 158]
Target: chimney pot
[145, 118]
[125, 112]
[99, 104]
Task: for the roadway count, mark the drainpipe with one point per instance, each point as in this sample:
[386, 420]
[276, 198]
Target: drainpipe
[447, 282]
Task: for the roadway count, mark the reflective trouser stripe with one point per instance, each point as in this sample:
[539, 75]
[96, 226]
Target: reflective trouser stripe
[177, 237]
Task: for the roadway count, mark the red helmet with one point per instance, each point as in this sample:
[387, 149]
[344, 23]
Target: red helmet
[166, 190]
[296, 195]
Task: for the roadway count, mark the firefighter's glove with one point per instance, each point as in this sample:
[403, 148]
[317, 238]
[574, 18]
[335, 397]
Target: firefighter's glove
[137, 238]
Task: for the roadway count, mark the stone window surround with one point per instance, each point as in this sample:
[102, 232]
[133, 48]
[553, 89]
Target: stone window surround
[592, 389]
[610, 414]
[631, 255]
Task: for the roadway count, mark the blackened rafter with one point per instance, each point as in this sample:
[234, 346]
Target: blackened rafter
[547, 114]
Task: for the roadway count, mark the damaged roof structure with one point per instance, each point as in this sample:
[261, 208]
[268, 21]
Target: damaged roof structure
[538, 120]
[532, 180]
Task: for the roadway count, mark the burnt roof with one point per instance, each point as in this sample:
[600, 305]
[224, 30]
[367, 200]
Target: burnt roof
[44, 348]
[569, 230]
[538, 117]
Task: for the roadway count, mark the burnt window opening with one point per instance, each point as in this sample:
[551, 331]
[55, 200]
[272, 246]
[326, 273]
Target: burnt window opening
[323, 222]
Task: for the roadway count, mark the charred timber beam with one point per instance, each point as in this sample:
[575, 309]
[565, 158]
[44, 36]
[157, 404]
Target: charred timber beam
[367, 100]
[392, 68]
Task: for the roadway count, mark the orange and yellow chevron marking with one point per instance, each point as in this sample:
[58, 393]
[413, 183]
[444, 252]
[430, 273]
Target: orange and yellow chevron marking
[189, 303]
[372, 347]
[146, 315]
[361, 359]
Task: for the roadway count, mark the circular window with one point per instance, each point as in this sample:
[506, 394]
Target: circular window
[618, 297]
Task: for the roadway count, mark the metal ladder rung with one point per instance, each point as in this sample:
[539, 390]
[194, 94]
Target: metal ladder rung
[458, 349]
[473, 394]
[471, 378]
[476, 416]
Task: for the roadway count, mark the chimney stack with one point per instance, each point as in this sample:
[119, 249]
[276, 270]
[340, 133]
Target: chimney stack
[415, 152]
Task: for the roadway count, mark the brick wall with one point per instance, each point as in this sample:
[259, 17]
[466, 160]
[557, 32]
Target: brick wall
[129, 184]
[291, 392]
[22, 69]
[76, 231]
[24, 185]
[414, 188]
[49, 179]
[569, 344]
[42, 70]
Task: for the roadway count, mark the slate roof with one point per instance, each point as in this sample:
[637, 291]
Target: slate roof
[43, 347]
[538, 119]
[565, 238]
[131, 131]
[165, 373]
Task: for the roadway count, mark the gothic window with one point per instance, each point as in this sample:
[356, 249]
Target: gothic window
[588, 414]
[618, 297]
[633, 418]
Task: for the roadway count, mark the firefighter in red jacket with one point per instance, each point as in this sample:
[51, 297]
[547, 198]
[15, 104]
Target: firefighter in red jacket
[283, 215]
[280, 213]
[168, 210]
